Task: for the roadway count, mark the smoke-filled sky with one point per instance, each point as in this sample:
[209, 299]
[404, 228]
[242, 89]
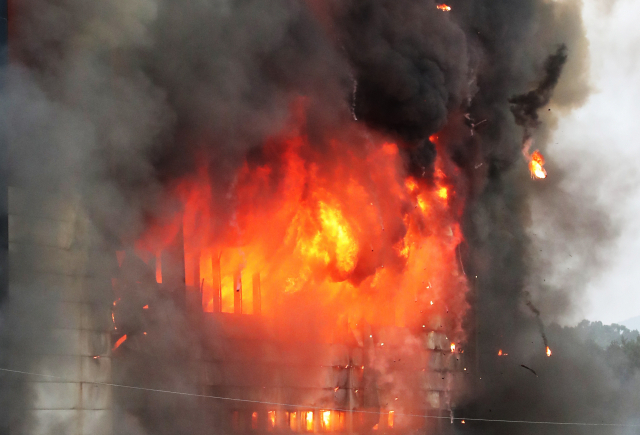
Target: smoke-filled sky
[600, 140]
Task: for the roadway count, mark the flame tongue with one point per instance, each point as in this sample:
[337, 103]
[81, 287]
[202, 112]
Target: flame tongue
[548, 351]
[444, 7]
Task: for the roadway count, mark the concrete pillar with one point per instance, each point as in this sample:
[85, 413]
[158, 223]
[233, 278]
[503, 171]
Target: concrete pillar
[237, 293]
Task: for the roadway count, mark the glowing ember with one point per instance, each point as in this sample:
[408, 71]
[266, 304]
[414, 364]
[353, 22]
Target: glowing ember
[453, 347]
[444, 7]
[146, 307]
[119, 342]
[548, 351]
[390, 419]
[500, 352]
[254, 420]
[463, 422]
[536, 165]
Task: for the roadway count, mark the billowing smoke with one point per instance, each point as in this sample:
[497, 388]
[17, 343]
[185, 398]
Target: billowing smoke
[113, 102]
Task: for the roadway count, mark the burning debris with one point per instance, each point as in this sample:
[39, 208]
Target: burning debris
[536, 165]
[119, 342]
[536, 312]
[529, 368]
[443, 7]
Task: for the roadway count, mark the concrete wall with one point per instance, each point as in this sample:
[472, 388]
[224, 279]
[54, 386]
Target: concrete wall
[54, 255]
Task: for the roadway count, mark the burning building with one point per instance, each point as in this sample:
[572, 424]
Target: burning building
[234, 217]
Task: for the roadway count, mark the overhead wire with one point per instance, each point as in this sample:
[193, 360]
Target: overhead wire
[261, 402]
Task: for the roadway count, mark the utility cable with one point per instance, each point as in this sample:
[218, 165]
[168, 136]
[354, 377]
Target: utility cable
[205, 396]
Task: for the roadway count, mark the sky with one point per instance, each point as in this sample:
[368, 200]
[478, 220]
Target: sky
[600, 140]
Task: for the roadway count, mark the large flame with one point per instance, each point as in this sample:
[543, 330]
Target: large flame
[344, 229]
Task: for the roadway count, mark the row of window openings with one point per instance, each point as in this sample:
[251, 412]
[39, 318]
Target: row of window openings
[304, 421]
[220, 293]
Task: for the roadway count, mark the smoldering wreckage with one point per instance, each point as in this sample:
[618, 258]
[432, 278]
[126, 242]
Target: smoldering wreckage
[233, 216]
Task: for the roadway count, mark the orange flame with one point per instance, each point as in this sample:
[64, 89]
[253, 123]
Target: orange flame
[271, 419]
[500, 352]
[453, 347]
[119, 342]
[548, 351]
[444, 7]
[308, 416]
[536, 165]
[390, 420]
[158, 268]
[352, 235]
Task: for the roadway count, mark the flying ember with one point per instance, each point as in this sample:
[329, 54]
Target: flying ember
[548, 351]
[444, 7]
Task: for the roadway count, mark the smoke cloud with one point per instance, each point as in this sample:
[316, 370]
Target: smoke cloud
[113, 102]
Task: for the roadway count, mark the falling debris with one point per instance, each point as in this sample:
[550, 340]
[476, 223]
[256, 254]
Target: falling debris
[119, 342]
[529, 368]
[535, 311]
[444, 7]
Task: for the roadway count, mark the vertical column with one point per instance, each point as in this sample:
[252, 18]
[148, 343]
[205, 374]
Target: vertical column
[237, 293]
[217, 283]
[257, 304]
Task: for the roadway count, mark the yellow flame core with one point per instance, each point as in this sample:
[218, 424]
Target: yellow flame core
[453, 347]
[548, 351]
[444, 7]
[325, 419]
[337, 229]
[442, 193]
[309, 421]
[272, 419]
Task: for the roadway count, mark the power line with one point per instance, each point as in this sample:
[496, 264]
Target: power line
[205, 396]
